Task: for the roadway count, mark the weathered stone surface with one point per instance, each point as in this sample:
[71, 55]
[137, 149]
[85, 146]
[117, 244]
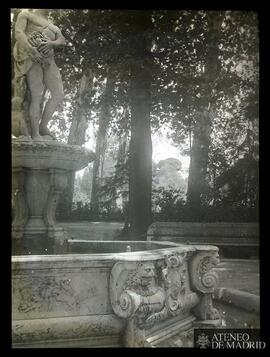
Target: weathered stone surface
[151, 294]
[115, 246]
[43, 289]
[147, 293]
[35, 74]
[202, 275]
[176, 332]
[49, 154]
[103, 329]
[39, 174]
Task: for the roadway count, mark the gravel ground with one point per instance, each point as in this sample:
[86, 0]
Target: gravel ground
[240, 274]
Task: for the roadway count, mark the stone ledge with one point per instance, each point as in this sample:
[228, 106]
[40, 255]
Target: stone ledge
[97, 342]
[47, 144]
[79, 329]
[246, 301]
[175, 328]
[50, 154]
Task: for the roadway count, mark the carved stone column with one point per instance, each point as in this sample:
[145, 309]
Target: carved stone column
[39, 175]
[203, 280]
[18, 195]
[58, 182]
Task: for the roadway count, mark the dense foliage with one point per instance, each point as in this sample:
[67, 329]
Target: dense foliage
[203, 86]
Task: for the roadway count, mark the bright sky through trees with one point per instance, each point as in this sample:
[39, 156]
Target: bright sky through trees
[162, 149]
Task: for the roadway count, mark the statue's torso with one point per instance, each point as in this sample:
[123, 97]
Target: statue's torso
[46, 30]
[36, 26]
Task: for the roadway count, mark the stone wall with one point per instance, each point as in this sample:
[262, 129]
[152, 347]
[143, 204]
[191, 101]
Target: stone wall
[207, 230]
[227, 236]
[66, 298]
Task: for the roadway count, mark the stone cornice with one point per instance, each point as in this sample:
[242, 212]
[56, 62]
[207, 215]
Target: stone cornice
[49, 154]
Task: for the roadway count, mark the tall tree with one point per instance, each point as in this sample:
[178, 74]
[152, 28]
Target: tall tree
[197, 71]
[201, 135]
[120, 177]
[77, 131]
[140, 150]
[104, 121]
[121, 174]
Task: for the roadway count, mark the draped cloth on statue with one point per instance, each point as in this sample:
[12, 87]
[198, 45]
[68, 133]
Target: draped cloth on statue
[23, 61]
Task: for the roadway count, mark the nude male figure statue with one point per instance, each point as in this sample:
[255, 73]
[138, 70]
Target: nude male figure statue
[36, 69]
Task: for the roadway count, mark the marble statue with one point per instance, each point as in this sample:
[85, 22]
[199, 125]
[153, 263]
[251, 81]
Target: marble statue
[40, 163]
[35, 72]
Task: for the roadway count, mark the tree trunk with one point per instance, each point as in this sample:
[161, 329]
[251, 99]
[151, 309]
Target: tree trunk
[79, 123]
[77, 134]
[140, 150]
[201, 135]
[120, 178]
[198, 161]
[101, 145]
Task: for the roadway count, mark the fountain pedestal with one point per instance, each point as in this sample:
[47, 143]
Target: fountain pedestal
[39, 175]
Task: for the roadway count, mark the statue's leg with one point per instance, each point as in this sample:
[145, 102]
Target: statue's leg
[35, 83]
[53, 82]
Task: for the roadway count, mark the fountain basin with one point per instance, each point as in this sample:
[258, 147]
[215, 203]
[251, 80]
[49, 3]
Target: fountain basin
[50, 154]
[112, 298]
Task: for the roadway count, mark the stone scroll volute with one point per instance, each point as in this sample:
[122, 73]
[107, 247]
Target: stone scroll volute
[203, 280]
[202, 276]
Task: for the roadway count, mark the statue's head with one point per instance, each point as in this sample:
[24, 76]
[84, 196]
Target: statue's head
[215, 260]
[146, 273]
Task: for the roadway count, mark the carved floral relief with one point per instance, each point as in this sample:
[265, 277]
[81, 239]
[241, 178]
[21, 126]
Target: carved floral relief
[44, 294]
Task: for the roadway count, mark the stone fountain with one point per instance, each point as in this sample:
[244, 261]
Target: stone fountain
[72, 293]
[39, 175]
[151, 296]
[40, 164]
